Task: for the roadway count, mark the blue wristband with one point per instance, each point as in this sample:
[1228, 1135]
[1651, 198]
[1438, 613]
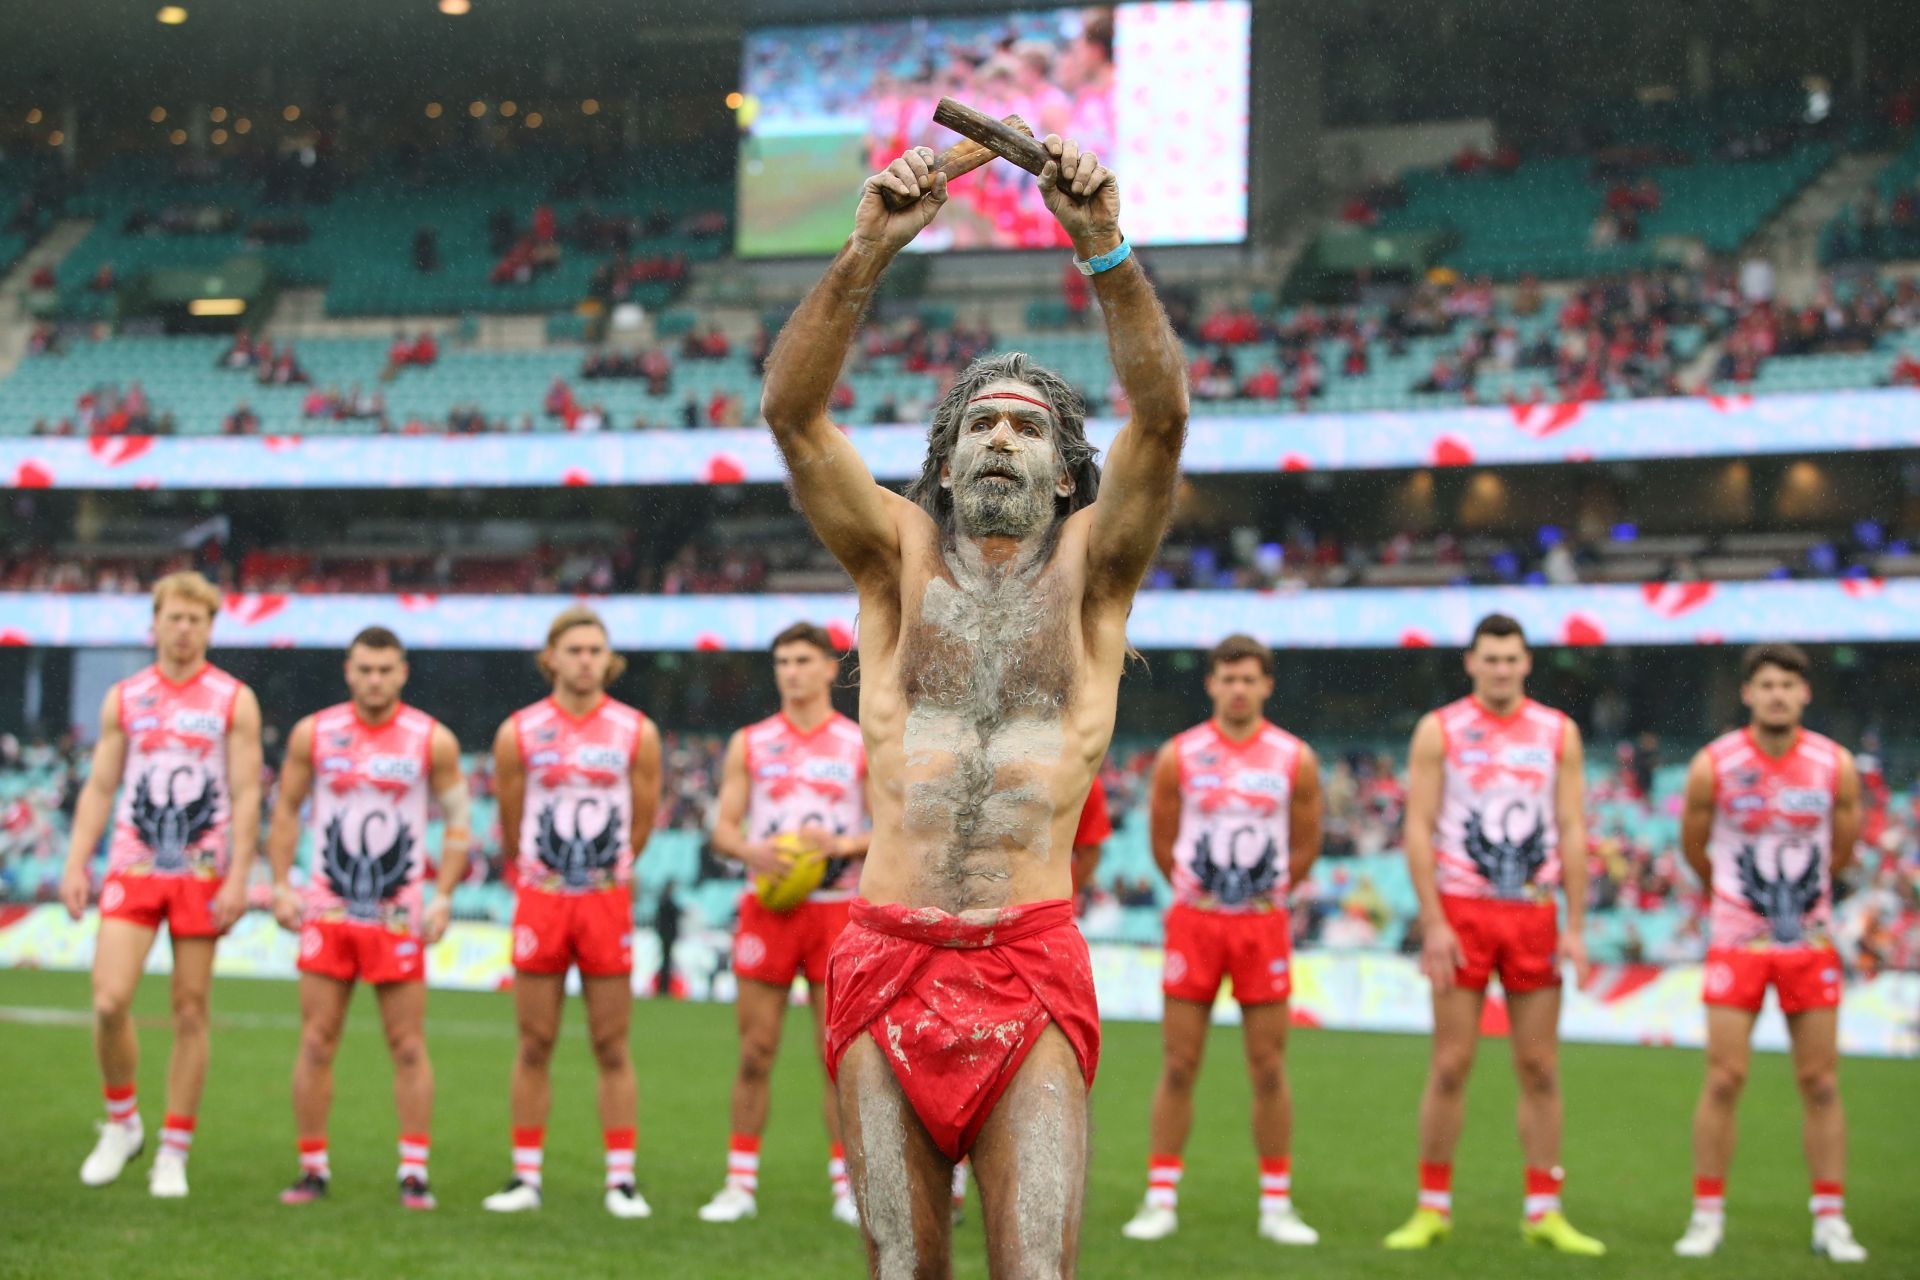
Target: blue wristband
[1105, 261]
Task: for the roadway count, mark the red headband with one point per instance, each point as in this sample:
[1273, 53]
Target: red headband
[1012, 395]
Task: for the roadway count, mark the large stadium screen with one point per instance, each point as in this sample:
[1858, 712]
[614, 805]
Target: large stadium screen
[1157, 90]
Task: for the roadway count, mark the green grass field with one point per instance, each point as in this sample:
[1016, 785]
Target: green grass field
[1627, 1153]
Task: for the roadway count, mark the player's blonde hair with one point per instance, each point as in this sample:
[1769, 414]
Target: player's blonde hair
[578, 615]
[189, 586]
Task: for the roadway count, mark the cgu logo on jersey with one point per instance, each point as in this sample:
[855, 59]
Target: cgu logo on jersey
[366, 881]
[1803, 800]
[1529, 759]
[392, 768]
[601, 759]
[200, 724]
[834, 771]
[169, 826]
[1261, 782]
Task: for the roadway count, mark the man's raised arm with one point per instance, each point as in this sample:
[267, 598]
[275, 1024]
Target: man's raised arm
[1143, 466]
[852, 514]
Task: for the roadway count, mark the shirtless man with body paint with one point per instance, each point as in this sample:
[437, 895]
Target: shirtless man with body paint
[993, 605]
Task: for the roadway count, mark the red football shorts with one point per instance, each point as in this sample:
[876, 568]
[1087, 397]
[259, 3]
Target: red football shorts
[774, 946]
[183, 903]
[1254, 948]
[553, 931]
[1805, 977]
[346, 951]
[1518, 940]
[956, 1006]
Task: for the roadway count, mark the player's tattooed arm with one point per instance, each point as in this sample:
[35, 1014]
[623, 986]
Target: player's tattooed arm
[644, 781]
[1306, 818]
[243, 779]
[283, 835]
[95, 807]
[1696, 818]
[509, 789]
[1846, 813]
[1163, 808]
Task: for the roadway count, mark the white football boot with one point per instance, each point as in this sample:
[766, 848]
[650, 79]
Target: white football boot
[1833, 1240]
[1151, 1223]
[167, 1180]
[730, 1204]
[844, 1210]
[1283, 1226]
[1703, 1235]
[625, 1201]
[118, 1144]
[517, 1196]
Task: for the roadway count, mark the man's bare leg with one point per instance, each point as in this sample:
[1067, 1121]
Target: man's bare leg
[760, 1009]
[1535, 1020]
[1183, 1039]
[1729, 1051]
[1265, 1028]
[1815, 1034]
[829, 1101]
[323, 1013]
[901, 1181]
[119, 958]
[538, 1002]
[1456, 1036]
[1031, 1163]
[403, 1014]
[187, 1064]
[609, 1003]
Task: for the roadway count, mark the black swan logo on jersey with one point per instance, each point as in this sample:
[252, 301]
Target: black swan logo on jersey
[368, 880]
[1507, 863]
[1784, 900]
[1229, 883]
[581, 861]
[170, 828]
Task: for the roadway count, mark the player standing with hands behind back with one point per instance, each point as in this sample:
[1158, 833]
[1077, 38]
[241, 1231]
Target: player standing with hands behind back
[1495, 820]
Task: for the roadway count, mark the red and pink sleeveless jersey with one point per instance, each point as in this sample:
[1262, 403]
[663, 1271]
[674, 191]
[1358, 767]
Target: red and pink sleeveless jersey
[1236, 803]
[819, 776]
[369, 816]
[175, 805]
[576, 826]
[1771, 844]
[1498, 835]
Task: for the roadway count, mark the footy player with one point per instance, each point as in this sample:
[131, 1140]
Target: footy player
[993, 602]
[1772, 814]
[801, 772]
[577, 776]
[370, 765]
[1235, 813]
[1494, 823]
[185, 738]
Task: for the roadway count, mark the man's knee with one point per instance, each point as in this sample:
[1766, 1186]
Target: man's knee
[189, 1013]
[610, 1050]
[1180, 1069]
[112, 1002]
[408, 1049]
[1725, 1080]
[1539, 1072]
[318, 1045]
[1451, 1068]
[1819, 1085]
[757, 1049]
[536, 1047]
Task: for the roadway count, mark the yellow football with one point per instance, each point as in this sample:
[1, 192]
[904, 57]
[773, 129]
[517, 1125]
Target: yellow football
[803, 876]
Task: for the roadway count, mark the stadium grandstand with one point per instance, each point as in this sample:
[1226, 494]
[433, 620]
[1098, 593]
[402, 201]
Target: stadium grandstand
[463, 317]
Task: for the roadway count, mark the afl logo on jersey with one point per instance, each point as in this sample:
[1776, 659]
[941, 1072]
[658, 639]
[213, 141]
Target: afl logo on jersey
[1205, 781]
[141, 724]
[541, 759]
[1475, 755]
[772, 771]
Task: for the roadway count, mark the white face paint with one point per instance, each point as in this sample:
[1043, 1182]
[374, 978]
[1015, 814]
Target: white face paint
[1005, 470]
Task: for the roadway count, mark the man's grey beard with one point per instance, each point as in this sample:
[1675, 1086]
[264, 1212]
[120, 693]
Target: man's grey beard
[985, 508]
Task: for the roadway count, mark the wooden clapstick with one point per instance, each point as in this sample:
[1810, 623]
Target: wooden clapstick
[964, 156]
[1016, 147]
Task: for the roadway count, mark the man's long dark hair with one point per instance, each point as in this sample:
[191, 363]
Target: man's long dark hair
[1077, 456]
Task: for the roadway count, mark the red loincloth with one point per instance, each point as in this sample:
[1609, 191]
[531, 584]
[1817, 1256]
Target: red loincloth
[956, 1007]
